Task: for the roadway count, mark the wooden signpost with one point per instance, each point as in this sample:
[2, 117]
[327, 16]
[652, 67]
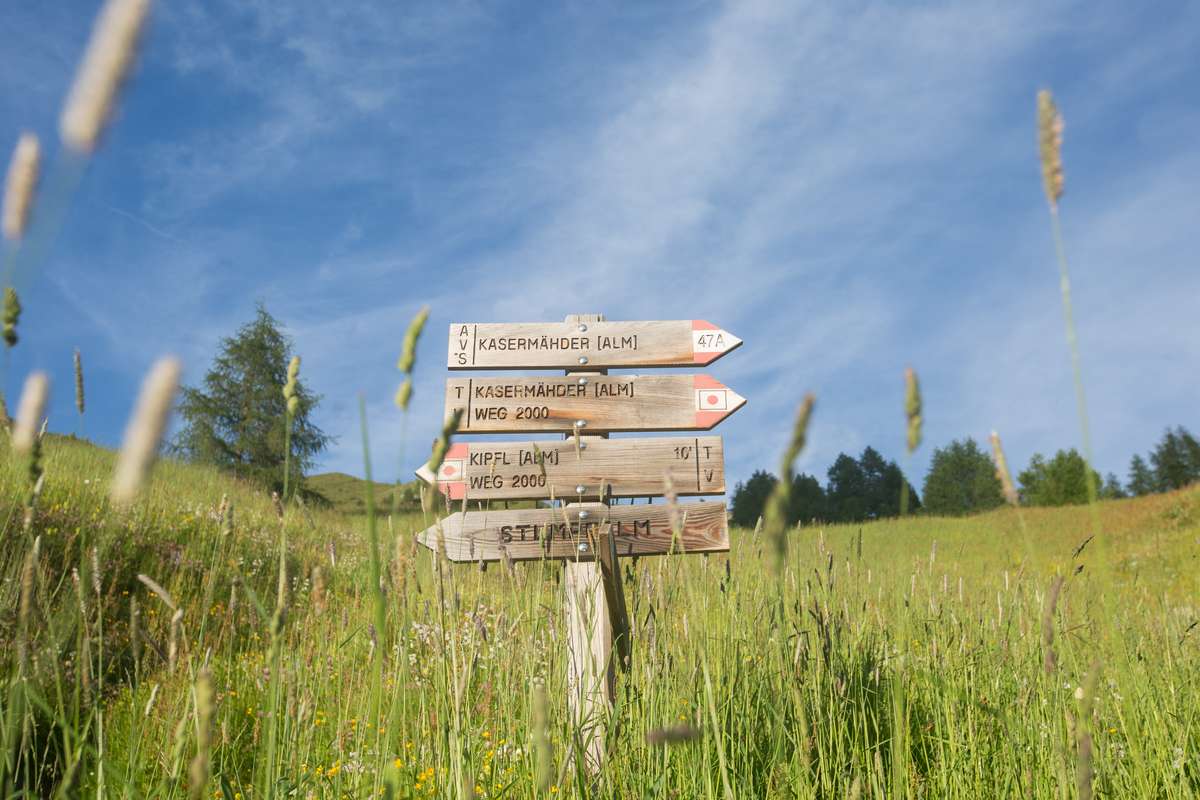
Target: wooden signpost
[586, 470]
[587, 345]
[536, 533]
[570, 470]
[591, 403]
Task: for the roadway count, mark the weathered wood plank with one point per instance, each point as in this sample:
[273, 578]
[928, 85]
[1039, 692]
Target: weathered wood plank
[591, 403]
[593, 468]
[593, 625]
[587, 344]
[575, 532]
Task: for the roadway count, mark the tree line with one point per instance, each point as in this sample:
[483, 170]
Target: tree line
[962, 479]
[236, 419]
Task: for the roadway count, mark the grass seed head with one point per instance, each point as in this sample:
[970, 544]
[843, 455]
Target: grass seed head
[106, 62]
[30, 413]
[404, 394]
[1050, 131]
[1006, 481]
[145, 431]
[20, 185]
[408, 354]
[12, 315]
[79, 382]
[443, 442]
[289, 389]
[912, 408]
[162, 593]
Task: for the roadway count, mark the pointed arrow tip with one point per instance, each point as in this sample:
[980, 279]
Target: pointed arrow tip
[710, 342]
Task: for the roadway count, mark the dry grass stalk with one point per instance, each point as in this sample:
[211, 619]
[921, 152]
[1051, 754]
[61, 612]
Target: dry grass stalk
[318, 589]
[1006, 481]
[1050, 131]
[776, 511]
[145, 431]
[541, 736]
[162, 593]
[135, 631]
[95, 559]
[1049, 660]
[105, 64]
[30, 413]
[25, 604]
[226, 516]
[1084, 766]
[198, 771]
[176, 640]
[20, 185]
[673, 519]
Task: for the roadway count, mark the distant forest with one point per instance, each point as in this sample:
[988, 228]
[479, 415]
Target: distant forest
[962, 480]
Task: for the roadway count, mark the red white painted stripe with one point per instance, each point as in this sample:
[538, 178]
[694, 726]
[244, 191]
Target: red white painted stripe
[454, 468]
[710, 342]
[714, 401]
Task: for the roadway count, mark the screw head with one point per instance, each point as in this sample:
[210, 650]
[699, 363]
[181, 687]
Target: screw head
[583, 445]
[579, 489]
[580, 423]
[582, 328]
[583, 359]
[584, 515]
[583, 381]
[583, 547]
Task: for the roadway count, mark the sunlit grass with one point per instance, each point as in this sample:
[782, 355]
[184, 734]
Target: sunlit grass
[905, 658]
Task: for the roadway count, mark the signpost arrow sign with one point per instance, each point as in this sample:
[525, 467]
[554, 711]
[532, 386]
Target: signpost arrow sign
[590, 403]
[577, 532]
[587, 345]
[596, 468]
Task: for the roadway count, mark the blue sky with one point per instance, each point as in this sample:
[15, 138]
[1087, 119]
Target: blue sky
[849, 187]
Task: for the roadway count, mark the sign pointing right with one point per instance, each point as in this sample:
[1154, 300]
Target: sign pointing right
[587, 345]
[591, 403]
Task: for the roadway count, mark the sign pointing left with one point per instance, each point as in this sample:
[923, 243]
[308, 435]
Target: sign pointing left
[566, 470]
[577, 532]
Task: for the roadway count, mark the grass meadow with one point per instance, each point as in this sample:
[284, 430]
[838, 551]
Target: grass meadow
[205, 641]
[920, 657]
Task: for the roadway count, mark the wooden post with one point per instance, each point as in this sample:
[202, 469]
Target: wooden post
[594, 602]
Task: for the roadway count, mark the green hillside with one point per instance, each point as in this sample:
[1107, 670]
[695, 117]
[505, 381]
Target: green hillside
[348, 494]
[921, 657]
